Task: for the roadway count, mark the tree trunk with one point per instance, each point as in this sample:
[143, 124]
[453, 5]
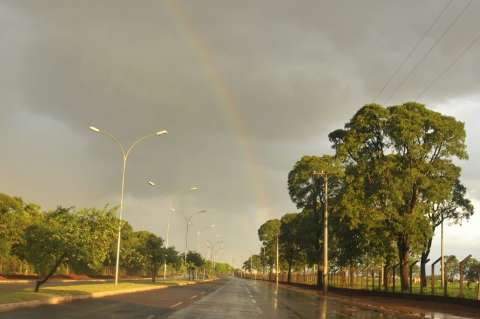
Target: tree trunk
[289, 276]
[154, 273]
[386, 276]
[423, 263]
[423, 270]
[319, 274]
[403, 250]
[352, 277]
[52, 271]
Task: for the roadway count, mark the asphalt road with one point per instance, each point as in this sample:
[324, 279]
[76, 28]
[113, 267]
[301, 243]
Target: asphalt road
[230, 298]
[246, 299]
[152, 304]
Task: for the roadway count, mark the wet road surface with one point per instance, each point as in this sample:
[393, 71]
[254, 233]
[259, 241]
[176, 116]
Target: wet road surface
[151, 304]
[246, 299]
[229, 298]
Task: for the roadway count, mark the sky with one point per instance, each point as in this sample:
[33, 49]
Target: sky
[245, 88]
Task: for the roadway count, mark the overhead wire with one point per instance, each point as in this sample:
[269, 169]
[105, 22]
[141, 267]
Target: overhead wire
[414, 48]
[427, 53]
[450, 66]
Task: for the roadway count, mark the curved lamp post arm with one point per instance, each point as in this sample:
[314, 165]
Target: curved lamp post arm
[141, 139]
[110, 136]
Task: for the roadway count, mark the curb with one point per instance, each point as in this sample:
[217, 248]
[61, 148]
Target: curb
[70, 298]
[29, 281]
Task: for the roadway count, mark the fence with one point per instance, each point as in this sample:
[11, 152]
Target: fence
[374, 279]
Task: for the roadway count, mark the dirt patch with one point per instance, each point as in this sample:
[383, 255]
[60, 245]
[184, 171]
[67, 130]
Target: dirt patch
[70, 277]
[417, 308]
[101, 276]
[20, 277]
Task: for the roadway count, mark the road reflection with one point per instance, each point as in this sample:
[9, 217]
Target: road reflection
[281, 302]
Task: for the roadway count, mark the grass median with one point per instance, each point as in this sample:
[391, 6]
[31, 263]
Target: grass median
[18, 293]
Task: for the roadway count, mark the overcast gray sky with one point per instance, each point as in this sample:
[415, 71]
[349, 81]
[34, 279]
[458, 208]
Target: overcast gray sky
[245, 88]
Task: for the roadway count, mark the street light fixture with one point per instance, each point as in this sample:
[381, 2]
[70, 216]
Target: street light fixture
[188, 221]
[125, 154]
[215, 248]
[199, 232]
[151, 183]
[172, 210]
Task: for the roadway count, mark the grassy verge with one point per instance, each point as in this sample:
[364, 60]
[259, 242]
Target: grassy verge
[18, 294]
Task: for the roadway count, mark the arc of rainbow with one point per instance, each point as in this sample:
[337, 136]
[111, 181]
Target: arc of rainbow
[227, 102]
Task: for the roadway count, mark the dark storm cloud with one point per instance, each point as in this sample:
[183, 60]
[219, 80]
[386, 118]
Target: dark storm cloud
[295, 70]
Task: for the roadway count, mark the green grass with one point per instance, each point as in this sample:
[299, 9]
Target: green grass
[17, 294]
[366, 283]
[23, 295]
[452, 291]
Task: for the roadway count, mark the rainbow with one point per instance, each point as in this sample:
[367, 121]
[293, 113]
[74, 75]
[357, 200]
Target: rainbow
[228, 105]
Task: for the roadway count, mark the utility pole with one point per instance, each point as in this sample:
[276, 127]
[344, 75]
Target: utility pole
[442, 256]
[325, 236]
[325, 229]
[251, 266]
[277, 268]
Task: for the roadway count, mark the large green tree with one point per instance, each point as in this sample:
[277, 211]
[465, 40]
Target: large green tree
[306, 188]
[290, 241]
[15, 216]
[400, 158]
[268, 234]
[252, 263]
[454, 207]
[154, 253]
[64, 237]
[99, 227]
[194, 262]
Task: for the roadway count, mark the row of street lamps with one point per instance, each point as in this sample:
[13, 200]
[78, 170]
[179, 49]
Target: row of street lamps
[125, 152]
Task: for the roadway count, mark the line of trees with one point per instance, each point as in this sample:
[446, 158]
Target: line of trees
[392, 181]
[80, 241]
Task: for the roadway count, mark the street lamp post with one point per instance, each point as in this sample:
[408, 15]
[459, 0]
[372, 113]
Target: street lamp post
[214, 249]
[125, 154]
[442, 256]
[172, 210]
[200, 232]
[188, 221]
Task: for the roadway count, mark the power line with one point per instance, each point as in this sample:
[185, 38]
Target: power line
[450, 66]
[412, 71]
[414, 48]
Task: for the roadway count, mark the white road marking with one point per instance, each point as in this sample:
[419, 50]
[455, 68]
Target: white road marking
[177, 304]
